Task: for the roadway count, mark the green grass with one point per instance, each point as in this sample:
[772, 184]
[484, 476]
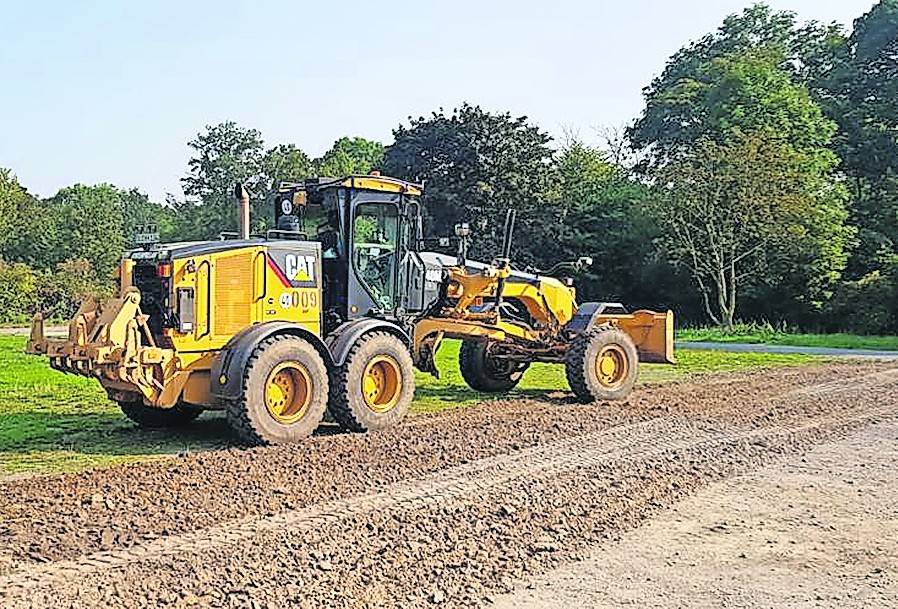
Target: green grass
[51, 422]
[767, 334]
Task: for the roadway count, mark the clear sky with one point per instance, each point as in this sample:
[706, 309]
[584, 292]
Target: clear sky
[95, 91]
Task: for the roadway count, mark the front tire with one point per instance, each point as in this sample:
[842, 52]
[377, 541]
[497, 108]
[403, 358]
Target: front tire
[487, 374]
[285, 388]
[373, 389]
[602, 364]
[151, 417]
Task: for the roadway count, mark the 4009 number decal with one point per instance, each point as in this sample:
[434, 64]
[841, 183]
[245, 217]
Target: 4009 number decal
[304, 300]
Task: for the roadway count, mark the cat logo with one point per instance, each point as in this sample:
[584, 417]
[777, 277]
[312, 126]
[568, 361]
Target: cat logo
[300, 268]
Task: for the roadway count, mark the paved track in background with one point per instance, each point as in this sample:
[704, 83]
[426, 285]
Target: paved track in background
[786, 349]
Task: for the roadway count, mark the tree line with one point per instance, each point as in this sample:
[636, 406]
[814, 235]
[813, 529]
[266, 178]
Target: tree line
[760, 182]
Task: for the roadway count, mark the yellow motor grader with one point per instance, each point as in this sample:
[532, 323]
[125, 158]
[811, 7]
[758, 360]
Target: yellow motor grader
[330, 312]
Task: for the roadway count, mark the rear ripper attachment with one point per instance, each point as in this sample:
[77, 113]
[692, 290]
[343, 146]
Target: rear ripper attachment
[112, 342]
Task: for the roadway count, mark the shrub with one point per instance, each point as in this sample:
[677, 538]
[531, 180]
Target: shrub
[868, 305]
[64, 289]
[18, 292]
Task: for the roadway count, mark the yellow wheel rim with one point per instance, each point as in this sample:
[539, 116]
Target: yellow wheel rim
[612, 366]
[288, 392]
[382, 383]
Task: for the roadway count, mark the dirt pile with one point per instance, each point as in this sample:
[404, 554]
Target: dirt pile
[448, 510]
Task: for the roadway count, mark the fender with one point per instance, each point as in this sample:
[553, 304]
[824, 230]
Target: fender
[589, 312]
[340, 341]
[227, 369]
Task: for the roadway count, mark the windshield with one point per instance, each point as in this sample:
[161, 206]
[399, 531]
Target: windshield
[322, 223]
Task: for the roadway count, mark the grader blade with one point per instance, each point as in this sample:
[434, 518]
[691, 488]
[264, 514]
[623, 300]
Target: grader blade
[652, 332]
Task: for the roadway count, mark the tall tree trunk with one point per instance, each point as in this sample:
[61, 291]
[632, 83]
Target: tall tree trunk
[730, 315]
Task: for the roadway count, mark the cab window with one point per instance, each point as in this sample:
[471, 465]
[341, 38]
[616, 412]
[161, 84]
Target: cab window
[321, 223]
[375, 239]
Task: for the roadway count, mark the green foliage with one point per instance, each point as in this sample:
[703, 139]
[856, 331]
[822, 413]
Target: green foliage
[88, 222]
[868, 305]
[18, 292]
[70, 244]
[755, 215]
[477, 165]
[90, 225]
[138, 212]
[750, 139]
[750, 200]
[14, 199]
[350, 156]
[604, 215]
[748, 75]
[227, 153]
[62, 289]
[224, 155]
[285, 163]
[770, 334]
[861, 92]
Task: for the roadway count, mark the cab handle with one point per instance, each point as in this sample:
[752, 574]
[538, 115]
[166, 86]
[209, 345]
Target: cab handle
[264, 258]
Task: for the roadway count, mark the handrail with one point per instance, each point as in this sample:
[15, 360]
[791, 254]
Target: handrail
[208, 298]
[264, 274]
[279, 231]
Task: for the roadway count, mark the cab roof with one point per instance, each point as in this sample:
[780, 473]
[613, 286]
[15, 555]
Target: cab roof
[359, 182]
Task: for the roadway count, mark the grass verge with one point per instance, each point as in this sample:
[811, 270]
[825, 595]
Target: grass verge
[763, 334]
[53, 422]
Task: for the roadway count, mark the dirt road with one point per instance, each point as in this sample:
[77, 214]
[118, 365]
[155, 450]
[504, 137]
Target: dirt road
[814, 531]
[451, 509]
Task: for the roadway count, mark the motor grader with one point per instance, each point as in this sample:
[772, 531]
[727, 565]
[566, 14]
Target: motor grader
[329, 313]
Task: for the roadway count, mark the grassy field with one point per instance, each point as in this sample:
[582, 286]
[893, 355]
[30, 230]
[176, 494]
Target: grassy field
[51, 421]
[752, 333]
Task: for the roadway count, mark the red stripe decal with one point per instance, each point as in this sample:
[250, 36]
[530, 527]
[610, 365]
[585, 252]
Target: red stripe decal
[277, 271]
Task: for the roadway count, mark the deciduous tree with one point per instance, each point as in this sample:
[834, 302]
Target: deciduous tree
[355, 155]
[749, 213]
[476, 166]
[222, 155]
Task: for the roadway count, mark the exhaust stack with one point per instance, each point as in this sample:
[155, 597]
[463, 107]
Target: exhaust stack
[242, 196]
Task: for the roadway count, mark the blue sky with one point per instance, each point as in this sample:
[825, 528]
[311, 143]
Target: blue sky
[110, 91]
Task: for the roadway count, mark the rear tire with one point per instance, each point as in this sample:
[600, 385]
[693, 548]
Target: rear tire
[602, 364]
[373, 389]
[284, 396]
[484, 373]
[151, 417]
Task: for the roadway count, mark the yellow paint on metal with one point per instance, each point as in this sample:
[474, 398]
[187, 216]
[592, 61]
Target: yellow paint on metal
[233, 289]
[612, 366]
[382, 383]
[233, 292]
[549, 301]
[288, 392]
[383, 184]
[653, 334]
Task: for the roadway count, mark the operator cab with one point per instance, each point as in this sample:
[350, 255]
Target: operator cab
[369, 229]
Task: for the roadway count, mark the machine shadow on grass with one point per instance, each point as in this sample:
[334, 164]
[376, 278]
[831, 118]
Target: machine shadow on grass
[106, 433]
[36, 440]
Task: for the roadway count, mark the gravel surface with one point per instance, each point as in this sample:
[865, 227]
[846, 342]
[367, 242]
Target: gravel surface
[812, 531]
[449, 509]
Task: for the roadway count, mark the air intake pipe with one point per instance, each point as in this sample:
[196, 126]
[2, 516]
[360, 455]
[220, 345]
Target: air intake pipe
[242, 196]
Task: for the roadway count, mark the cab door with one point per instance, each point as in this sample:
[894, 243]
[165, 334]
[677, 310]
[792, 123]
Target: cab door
[375, 258]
